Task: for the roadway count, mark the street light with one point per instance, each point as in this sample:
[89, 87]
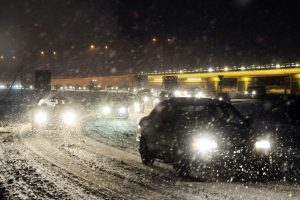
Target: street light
[46, 54]
[92, 46]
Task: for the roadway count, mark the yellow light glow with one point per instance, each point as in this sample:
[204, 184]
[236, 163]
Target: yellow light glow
[192, 79]
[278, 66]
[158, 79]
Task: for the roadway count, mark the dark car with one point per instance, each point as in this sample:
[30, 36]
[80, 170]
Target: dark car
[208, 136]
[256, 92]
[223, 97]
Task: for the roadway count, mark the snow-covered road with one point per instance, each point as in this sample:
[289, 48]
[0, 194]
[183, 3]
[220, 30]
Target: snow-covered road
[101, 161]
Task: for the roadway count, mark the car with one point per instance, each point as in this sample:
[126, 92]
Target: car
[135, 103]
[53, 100]
[54, 112]
[223, 97]
[113, 109]
[210, 137]
[256, 92]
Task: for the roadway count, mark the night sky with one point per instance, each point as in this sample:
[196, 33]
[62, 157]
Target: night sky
[191, 34]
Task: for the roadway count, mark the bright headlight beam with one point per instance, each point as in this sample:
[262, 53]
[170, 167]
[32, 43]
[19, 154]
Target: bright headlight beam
[200, 95]
[263, 144]
[146, 99]
[204, 144]
[156, 100]
[122, 110]
[106, 110]
[177, 93]
[69, 117]
[40, 117]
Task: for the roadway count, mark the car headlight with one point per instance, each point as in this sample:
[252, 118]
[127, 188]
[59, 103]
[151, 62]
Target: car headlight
[69, 117]
[137, 107]
[262, 145]
[200, 95]
[40, 117]
[204, 144]
[253, 92]
[122, 110]
[177, 93]
[220, 98]
[156, 100]
[146, 99]
[106, 110]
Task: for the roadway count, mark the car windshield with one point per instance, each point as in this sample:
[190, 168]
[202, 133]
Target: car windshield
[207, 114]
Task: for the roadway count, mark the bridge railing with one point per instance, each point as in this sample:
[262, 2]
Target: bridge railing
[223, 69]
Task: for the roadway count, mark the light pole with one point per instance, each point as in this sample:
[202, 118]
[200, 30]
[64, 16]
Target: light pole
[94, 51]
[48, 55]
[160, 42]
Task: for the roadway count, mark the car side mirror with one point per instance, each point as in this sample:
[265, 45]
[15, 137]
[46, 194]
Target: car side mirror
[145, 121]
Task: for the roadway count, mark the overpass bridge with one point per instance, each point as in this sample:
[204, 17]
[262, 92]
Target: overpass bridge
[278, 78]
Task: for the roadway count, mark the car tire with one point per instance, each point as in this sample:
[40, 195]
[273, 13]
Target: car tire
[146, 155]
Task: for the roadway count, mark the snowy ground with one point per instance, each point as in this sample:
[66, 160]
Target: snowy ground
[101, 161]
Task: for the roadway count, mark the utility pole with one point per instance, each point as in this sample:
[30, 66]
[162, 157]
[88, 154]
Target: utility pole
[161, 56]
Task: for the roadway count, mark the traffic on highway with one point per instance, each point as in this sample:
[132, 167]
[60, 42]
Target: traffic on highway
[149, 100]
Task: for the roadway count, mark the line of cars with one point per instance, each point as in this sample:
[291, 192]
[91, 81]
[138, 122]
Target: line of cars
[56, 111]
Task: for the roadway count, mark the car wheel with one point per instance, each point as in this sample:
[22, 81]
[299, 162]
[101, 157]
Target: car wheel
[146, 156]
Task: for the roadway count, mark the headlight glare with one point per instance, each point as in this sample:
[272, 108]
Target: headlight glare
[156, 100]
[146, 98]
[106, 110]
[40, 117]
[69, 117]
[122, 110]
[204, 144]
[262, 145]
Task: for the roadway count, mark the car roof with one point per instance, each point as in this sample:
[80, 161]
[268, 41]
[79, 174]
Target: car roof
[193, 101]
